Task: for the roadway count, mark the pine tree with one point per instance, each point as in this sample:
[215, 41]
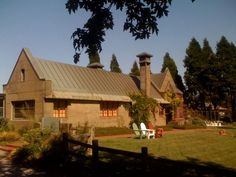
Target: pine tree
[135, 70]
[169, 63]
[192, 65]
[226, 56]
[114, 66]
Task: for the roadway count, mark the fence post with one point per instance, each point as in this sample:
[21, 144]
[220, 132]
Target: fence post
[65, 144]
[95, 151]
[144, 151]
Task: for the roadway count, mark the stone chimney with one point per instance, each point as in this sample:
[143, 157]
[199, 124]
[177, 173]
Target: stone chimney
[145, 73]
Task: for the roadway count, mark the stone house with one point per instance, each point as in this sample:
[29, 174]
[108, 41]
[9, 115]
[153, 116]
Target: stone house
[39, 88]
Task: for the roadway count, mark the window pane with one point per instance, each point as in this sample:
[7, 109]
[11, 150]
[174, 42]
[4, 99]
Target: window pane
[59, 109]
[24, 109]
[108, 109]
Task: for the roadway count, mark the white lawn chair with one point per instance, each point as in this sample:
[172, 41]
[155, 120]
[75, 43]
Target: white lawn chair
[149, 133]
[136, 130]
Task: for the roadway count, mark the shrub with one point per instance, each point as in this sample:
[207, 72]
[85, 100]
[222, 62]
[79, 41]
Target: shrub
[26, 154]
[53, 153]
[9, 136]
[36, 136]
[4, 125]
[188, 124]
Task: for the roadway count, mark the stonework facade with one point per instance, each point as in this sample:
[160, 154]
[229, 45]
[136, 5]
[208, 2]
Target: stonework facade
[76, 95]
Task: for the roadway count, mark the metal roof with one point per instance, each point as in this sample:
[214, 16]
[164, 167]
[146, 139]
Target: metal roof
[76, 82]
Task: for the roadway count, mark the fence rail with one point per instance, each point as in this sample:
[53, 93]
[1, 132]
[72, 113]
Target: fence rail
[143, 155]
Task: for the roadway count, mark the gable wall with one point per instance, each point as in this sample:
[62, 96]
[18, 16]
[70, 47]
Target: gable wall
[30, 89]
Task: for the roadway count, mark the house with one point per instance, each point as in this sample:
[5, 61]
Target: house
[39, 88]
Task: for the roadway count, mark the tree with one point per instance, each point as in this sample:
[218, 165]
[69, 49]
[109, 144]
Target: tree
[142, 108]
[226, 56]
[141, 21]
[135, 70]
[169, 63]
[208, 78]
[192, 65]
[114, 66]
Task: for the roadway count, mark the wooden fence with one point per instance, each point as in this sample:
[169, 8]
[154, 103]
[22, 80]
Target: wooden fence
[143, 155]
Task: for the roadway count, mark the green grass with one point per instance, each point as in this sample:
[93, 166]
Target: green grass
[202, 146]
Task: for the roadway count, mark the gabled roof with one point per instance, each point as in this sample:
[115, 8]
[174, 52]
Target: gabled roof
[76, 82]
[162, 80]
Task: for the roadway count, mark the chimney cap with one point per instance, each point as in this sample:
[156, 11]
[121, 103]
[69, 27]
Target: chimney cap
[144, 55]
[95, 65]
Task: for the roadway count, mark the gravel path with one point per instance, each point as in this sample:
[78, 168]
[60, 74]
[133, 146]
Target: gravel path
[7, 169]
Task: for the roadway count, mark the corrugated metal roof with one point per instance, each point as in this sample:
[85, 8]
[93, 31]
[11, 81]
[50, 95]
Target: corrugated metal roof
[72, 81]
[76, 82]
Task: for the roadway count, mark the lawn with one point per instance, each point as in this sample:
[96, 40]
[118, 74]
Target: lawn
[199, 146]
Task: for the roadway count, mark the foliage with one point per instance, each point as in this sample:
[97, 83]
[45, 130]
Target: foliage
[53, 153]
[9, 136]
[42, 147]
[171, 97]
[209, 77]
[114, 66]
[36, 136]
[226, 57]
[192, 65]
[3, 125]
[26, 154]
[135, 70]
[142, 108]
[191, 123]
[169, 63]
[141, 20]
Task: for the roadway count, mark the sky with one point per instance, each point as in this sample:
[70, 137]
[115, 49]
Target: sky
[45, 27]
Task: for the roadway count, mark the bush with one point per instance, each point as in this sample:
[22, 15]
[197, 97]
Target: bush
[4, 125]
[53, 153]
[36, 136]
[188, 124]
[26, 154]
[9, 136]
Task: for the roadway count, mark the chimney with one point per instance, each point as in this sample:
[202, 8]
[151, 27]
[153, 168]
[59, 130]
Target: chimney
[95, 65]
[145, 73]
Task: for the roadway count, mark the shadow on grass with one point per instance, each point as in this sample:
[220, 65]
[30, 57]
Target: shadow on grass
[113, 166]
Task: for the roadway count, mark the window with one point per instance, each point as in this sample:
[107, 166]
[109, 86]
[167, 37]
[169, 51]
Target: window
[108, 109]
[22, 75]
[23, 109]
[59, 109]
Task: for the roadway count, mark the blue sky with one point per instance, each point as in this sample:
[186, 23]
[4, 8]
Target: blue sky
[45, 27]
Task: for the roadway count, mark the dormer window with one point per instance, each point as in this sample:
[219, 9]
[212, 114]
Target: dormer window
[22, 75]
